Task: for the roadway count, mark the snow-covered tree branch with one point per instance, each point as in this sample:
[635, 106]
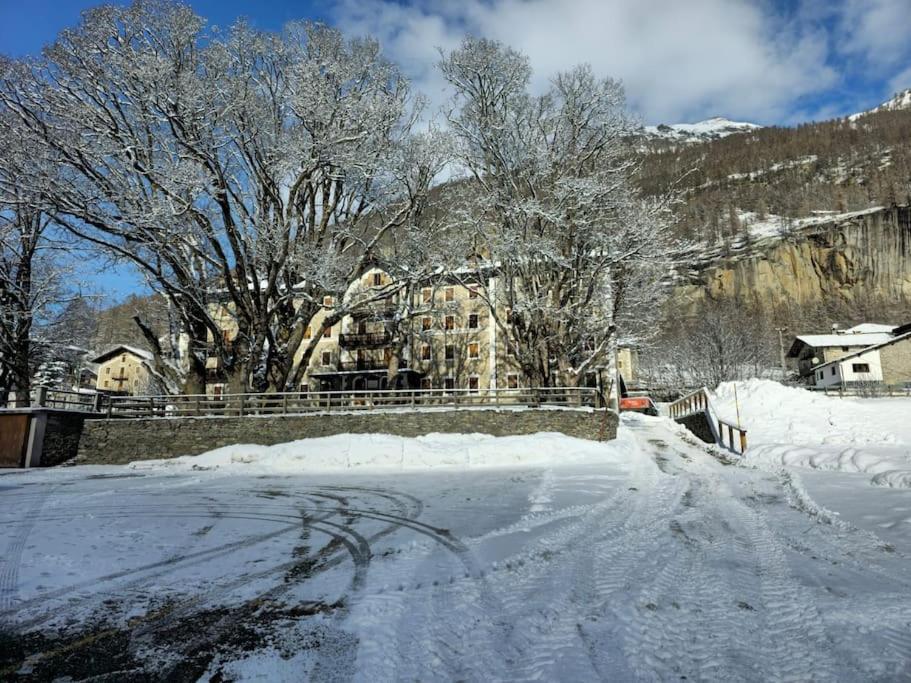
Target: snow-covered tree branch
[551, 204]
[236, 170]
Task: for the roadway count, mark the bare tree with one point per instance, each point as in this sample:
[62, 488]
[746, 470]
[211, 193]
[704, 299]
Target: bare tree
[724, 341]
[550, 204]
[30, 280]
[237, 170]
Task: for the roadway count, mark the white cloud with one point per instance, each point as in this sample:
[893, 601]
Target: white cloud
[875, 30]
[678, 60]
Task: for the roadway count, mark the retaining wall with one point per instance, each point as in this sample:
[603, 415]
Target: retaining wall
[121, 441]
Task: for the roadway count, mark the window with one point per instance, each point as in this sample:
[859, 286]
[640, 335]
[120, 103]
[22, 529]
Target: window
[449, 383]
[327, 358]
[449, 322]
[107, 370]
[819, 375]
[620, 364]
[362, 327]
[327, 301]
[832, 371]
[473, 384]
[308, 332]
[860, 367]
[473, 292]
[473, 321]
[426, 323]
[425, 351]
[328, 332]
[426, 295]
[844, 348]
[474, 350]
[106, 383]
[426, 383]
[449, 295]
[450, 352]
[377, 279]
[512, 381]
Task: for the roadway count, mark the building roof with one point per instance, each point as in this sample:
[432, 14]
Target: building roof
[114, 350]
[868, 328]
[822, 340]
[873, 347]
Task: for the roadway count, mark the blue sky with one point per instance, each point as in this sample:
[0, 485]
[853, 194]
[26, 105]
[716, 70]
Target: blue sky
[766, 61]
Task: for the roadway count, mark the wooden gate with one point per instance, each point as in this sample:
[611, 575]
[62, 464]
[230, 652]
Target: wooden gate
[13, 439]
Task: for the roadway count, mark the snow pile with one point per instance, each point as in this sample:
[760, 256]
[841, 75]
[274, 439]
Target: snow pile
[387, 452]
[797, 428]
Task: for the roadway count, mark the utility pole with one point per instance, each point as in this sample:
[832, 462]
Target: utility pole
[784, 365]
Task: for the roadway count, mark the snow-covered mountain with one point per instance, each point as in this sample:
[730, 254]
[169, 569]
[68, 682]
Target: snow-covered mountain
[701, 131]
[901, 101]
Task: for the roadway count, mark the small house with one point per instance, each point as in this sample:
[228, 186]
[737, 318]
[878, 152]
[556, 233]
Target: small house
[887, 363]
[123, 370]
[810, 351]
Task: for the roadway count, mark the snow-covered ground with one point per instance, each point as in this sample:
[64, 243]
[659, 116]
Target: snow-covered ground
[797, 428]
[528, 558]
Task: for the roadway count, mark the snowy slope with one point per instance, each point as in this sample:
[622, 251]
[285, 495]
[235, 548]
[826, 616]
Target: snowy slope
[795, 427]
[900, 101]
[701, 131]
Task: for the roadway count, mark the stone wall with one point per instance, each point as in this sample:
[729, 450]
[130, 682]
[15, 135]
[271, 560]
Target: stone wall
[895, 360]
[122, 441]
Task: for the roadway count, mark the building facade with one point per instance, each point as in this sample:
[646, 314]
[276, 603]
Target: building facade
[437, 336]
[123, 370]
[887, 363]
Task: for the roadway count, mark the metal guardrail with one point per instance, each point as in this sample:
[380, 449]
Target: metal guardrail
[291, 403]
[700, 402]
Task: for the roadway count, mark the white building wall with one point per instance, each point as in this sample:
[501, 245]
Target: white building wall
[843, 372]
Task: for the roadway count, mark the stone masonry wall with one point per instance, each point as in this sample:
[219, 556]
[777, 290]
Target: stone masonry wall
[122, 441]
[896, 362]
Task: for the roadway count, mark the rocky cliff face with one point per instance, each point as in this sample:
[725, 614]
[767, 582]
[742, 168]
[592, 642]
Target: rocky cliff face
[858, 257]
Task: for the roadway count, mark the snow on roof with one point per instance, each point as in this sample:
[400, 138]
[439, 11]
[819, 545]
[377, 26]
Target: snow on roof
[869, 328]
[141, 353]
[818, 340]
[872, 347]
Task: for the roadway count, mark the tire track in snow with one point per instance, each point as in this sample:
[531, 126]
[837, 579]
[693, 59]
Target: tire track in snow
[12, 557]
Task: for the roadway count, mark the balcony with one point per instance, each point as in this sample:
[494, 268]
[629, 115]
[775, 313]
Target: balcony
[364, 365]
[378, 310]
[372, 340]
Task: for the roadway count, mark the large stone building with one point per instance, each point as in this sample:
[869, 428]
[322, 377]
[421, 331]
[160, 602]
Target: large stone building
[448, 341]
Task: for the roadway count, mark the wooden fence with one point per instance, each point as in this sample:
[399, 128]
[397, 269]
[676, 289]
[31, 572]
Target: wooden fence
[699, 402]
[291, 403]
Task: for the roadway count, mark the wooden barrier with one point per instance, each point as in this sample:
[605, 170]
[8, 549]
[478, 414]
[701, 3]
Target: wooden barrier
[700, 402]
